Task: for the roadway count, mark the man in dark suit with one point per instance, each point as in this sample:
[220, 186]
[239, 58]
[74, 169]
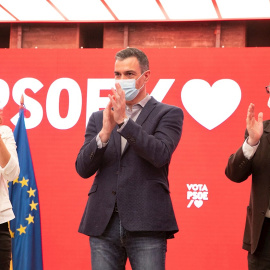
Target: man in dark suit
[129, 146]
[253, 158]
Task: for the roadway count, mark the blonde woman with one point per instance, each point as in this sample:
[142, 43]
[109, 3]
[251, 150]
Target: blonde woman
[9, 171]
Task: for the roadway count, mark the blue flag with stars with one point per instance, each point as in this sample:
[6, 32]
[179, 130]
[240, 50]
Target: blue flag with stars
[25, 228]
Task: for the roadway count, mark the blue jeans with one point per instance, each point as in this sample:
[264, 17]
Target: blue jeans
[145, 250]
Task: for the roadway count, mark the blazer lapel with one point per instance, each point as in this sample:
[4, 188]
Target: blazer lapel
[117, 141]
[146, 110]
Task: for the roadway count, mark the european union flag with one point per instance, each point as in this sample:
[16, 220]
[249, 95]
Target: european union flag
[25, 228]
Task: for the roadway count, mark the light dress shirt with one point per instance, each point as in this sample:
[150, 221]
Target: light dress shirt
[8, 173]
[249, 151]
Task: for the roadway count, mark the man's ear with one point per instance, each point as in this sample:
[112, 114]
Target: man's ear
[146, 75]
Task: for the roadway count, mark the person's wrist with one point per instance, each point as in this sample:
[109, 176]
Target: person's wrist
[104, 136]
[121, 122]
[252, 142]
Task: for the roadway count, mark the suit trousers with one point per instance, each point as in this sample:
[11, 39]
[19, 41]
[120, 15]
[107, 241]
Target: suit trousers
[5, 247]
[260, 259]
[145, 250]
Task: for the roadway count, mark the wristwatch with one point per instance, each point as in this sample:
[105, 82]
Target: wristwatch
[121, 124]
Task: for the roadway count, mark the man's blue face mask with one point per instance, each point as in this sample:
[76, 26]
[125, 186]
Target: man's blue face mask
[129, 86]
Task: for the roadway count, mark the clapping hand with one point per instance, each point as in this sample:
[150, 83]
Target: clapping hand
[254, 127]
[119, 104]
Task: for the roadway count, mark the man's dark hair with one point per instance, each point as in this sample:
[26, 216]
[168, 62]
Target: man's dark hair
[133, 52]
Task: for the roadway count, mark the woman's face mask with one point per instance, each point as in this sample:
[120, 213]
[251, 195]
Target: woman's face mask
[129, 86]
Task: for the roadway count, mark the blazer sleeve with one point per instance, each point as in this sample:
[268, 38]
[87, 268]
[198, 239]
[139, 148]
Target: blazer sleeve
[90, 156]
[238, 168]
[157, 147]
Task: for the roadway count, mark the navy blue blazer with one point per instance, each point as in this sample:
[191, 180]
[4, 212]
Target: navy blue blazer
[137, 179]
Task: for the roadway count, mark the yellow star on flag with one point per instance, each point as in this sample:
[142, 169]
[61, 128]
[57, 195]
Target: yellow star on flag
[31, 192]
[11, 233]
[30, 219]
[24, 182]
[21, 229]
[33, 205]
[16, 181]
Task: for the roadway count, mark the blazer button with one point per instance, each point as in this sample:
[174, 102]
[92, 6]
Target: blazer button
[114, 192]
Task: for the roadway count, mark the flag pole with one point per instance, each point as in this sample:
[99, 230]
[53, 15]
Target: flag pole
[22, 102]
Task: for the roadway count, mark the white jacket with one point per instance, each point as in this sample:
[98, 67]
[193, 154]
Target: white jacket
[9, 173]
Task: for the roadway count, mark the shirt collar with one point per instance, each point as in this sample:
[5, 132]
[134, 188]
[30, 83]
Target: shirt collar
[141, 104]
[145, 100]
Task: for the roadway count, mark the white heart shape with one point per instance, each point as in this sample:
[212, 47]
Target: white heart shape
[198, 203]
[211, 106]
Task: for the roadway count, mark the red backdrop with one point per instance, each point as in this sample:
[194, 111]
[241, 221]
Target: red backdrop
[213, 87]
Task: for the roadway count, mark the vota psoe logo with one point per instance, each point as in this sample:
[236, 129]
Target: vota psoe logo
[197, 194]
[211, 106]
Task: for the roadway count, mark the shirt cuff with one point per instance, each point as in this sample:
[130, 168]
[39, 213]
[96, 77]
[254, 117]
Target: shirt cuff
[100, 144]
[249, 150]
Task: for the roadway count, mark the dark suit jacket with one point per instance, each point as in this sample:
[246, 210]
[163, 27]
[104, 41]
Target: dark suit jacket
[137, 179]
[238, 170]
